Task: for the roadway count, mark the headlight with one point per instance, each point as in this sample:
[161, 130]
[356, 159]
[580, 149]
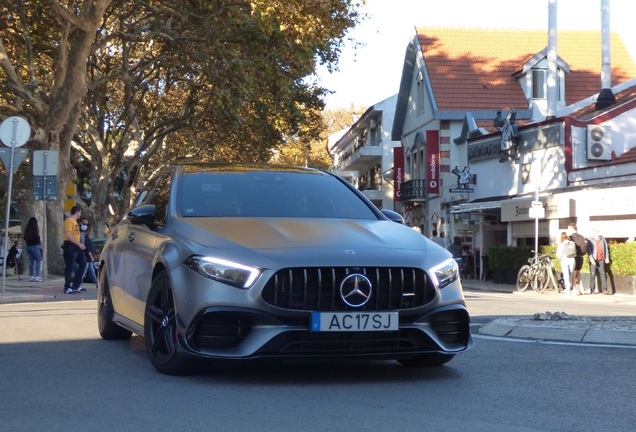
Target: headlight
[228, 272]
[445, 273]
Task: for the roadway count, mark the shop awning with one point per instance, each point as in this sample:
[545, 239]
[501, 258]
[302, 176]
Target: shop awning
[476, 207]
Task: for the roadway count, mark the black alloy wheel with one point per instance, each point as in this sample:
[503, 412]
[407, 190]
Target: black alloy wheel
[108, 329]
[427, 360]
[160, 329]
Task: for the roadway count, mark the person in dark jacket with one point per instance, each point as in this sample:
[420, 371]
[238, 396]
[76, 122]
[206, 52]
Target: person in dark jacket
[456, 249]
[33, 243]
[12, 259]
[89, 251]
[581, 250]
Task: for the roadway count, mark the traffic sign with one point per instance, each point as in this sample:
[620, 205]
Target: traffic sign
[18, 157]
[536, 213]
[15, 132]
[45, 162]
[537, 204]
[68, 204]
[39, 188]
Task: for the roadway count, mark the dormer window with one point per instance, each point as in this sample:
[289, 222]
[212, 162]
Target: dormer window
[540, 81]
[420, 93]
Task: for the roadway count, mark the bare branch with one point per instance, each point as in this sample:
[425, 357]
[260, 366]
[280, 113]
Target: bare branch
[16, 85]
[80, 149]
[27, 41]
[66, 16]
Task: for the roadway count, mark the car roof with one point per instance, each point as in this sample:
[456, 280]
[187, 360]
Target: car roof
[193, 167]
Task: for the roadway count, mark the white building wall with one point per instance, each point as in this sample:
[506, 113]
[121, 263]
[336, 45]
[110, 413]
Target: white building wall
[623, 138]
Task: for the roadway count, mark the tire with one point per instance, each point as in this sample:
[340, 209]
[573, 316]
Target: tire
[108, 329]
[523, 278]
[160, 329]
[427, 360]
[542, 279]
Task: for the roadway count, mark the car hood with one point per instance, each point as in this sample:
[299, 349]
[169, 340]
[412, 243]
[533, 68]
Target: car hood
[281, 233]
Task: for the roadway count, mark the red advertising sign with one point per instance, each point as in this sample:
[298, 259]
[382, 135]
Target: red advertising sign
[432, 161]
[398, 172]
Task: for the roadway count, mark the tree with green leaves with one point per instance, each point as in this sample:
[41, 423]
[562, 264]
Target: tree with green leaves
[120, 88]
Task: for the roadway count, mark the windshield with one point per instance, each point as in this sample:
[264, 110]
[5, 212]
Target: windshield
[269, 194]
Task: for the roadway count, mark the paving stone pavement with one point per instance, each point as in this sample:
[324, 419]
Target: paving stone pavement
[592, 330]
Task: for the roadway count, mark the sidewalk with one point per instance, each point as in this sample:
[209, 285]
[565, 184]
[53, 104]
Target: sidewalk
[50, 289]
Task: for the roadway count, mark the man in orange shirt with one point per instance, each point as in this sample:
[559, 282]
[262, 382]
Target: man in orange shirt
[73, 253]
[599, 256]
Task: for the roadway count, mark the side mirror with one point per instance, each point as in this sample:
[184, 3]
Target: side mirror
[142, 215]
[394, 216]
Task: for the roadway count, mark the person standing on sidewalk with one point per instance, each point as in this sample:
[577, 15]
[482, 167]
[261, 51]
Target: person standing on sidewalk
[566, 253]
[456, 250]
[88, 252]
[33, 241]
[581, 250]
[73, 253]
[12, 260]
[439, 240]
[599, 256]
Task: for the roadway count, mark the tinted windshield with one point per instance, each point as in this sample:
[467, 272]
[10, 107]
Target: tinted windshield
[269, 194]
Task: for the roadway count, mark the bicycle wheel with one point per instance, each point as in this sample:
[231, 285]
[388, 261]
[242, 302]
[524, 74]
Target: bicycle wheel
[523, 278]
[541, 279]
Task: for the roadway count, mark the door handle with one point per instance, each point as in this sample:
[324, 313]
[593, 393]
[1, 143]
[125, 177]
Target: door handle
[131, 237]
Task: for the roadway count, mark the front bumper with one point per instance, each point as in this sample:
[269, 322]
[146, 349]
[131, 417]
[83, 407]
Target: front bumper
[233, 333]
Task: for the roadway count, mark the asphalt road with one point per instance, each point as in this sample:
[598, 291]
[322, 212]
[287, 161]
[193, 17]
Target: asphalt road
[56, 374]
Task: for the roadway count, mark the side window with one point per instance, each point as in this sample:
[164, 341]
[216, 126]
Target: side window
[159, 198]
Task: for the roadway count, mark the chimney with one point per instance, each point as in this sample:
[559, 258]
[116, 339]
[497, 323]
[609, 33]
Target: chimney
[606, 96]
[552, 78]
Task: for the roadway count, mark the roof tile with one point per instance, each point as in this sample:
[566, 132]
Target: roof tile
[472, 68]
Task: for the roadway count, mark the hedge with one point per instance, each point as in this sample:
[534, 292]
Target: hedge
[501, 257]
[622, 258]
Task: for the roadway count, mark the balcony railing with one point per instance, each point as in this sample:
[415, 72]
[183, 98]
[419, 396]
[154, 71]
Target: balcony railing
[413, 190]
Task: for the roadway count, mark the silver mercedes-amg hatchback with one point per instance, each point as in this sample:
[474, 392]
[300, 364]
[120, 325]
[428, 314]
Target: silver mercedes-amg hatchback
[247, 261]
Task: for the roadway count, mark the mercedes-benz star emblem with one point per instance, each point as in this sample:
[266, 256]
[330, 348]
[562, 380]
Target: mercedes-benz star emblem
[355, 290]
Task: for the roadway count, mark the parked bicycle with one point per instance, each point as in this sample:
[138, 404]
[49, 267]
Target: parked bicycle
[551, 278]
[539, 274]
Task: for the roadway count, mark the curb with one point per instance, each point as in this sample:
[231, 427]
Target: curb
[587, 331]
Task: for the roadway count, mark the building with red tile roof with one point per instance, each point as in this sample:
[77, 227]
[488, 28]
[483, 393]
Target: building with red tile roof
[456, 81]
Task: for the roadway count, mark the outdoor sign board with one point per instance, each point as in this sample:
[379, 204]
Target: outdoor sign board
[432, 162]
[40, 187]
[519, 209]
[398, 172]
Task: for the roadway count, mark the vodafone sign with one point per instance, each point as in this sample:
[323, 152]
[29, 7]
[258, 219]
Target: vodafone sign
[398, 172]
[432, 161]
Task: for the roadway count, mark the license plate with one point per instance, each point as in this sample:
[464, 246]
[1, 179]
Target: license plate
[354, 321]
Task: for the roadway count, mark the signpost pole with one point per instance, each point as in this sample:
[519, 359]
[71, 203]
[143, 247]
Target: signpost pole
[14, 132]
[5, 252]
[536, 222]
[43, 269]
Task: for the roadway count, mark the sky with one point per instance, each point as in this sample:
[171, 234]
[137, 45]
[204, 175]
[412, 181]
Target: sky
[371, 73]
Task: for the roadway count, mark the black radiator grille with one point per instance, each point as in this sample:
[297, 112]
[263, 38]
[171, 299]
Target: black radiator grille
[348, 342]
[318, 288]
